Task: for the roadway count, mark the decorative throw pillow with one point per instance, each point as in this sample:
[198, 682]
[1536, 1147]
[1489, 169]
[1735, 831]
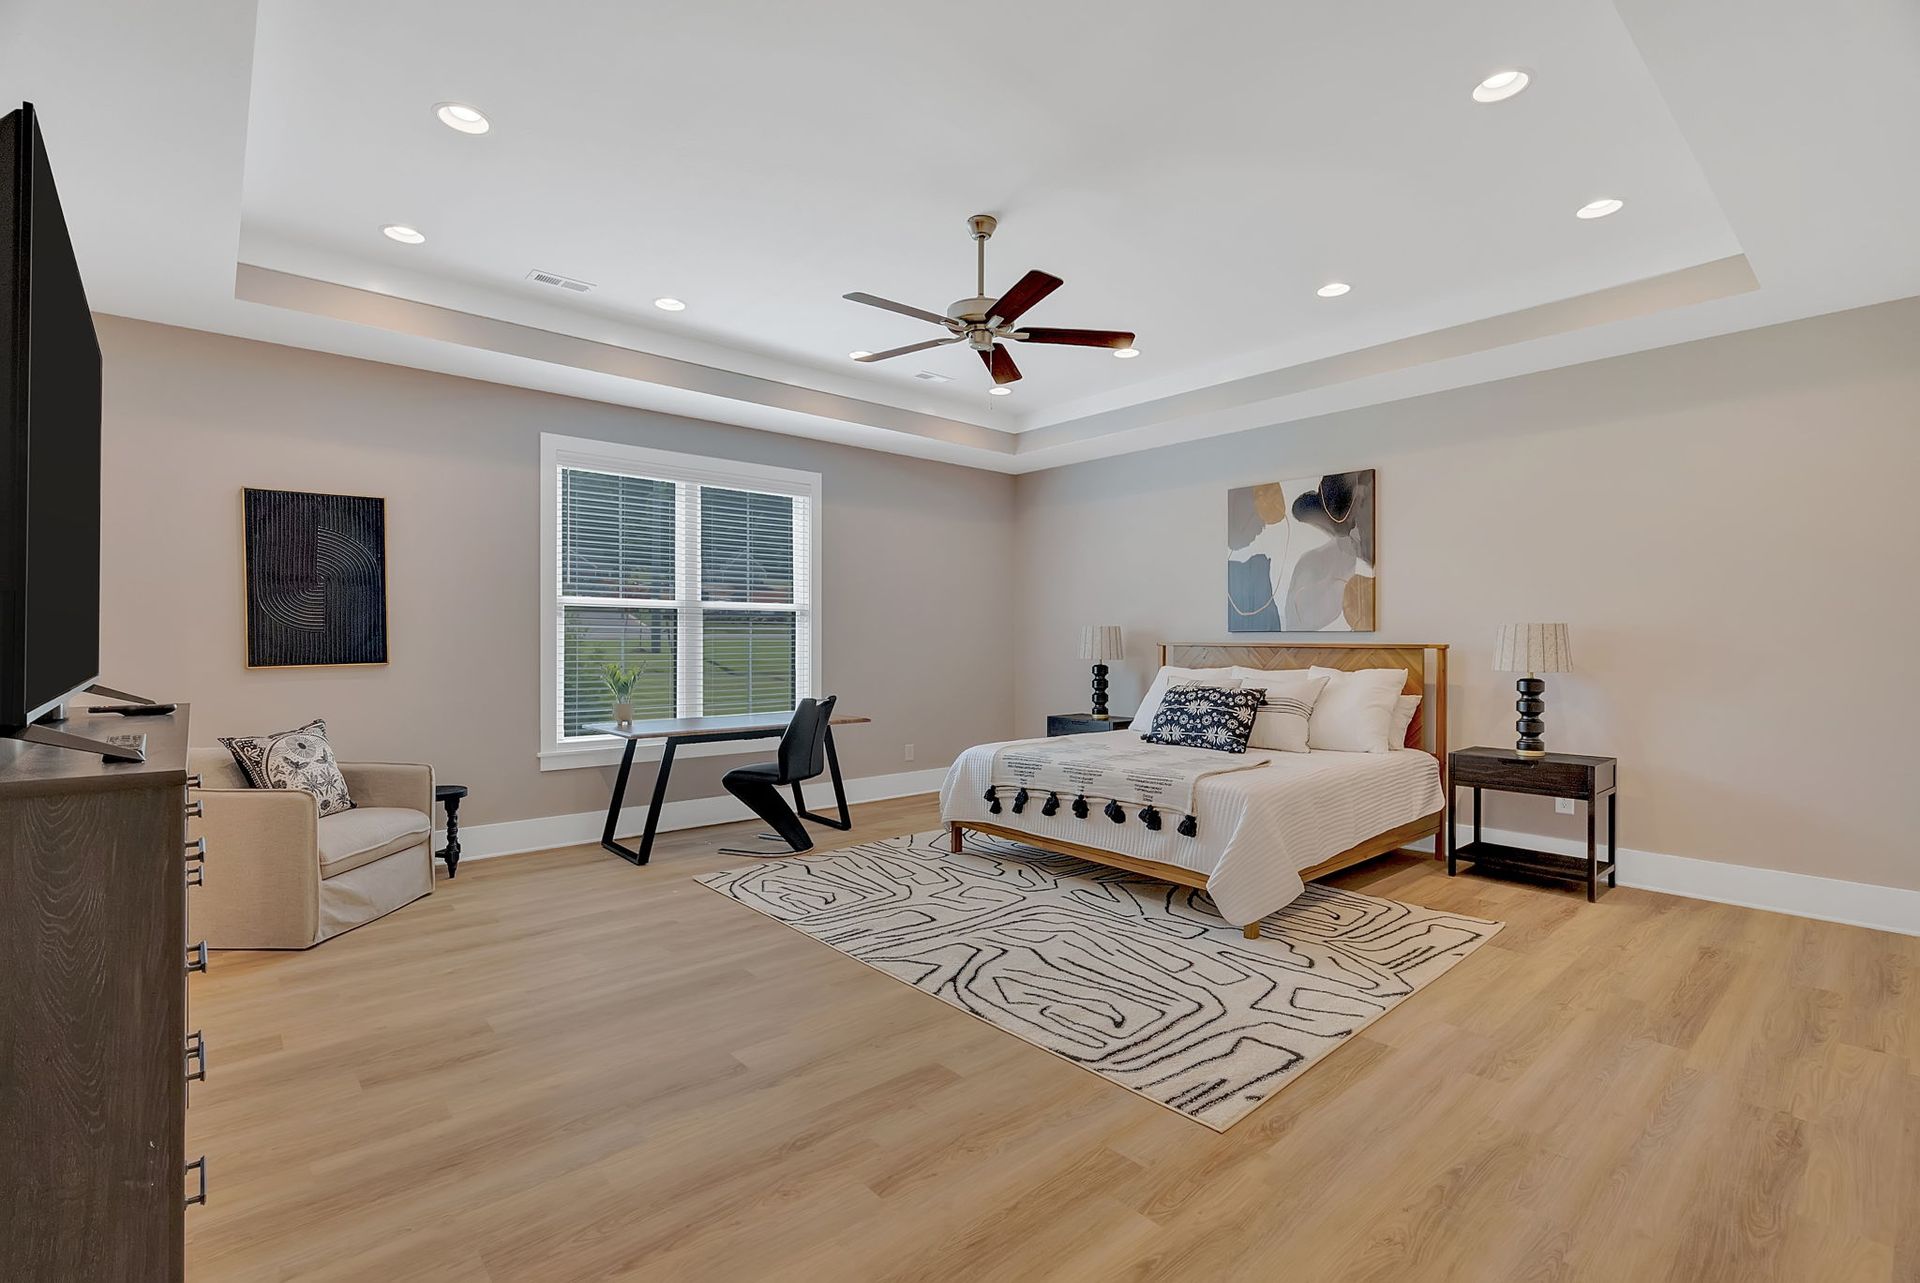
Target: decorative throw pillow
[1281, 723]
[1354, 714]
[1403, 713]
[297, 759]
[1206, 717]
[1170, 676]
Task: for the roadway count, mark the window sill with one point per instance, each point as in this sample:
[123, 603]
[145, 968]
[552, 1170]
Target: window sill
[577, 756]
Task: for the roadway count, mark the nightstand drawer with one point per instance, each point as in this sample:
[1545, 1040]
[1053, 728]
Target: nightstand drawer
[1536, 775]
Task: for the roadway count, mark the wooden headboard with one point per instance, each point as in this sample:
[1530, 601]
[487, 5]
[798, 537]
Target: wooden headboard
[1347, 656]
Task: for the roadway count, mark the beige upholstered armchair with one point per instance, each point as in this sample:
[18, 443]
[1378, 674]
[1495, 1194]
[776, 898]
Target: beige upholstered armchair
[280, 877]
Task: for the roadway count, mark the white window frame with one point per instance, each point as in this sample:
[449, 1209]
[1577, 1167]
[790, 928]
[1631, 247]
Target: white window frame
[558, 452]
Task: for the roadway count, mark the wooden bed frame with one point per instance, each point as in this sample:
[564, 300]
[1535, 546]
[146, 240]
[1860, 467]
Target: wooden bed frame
[1426, 733]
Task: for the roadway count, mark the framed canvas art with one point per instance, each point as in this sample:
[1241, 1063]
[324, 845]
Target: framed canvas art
[1300, 555]
[316, 578]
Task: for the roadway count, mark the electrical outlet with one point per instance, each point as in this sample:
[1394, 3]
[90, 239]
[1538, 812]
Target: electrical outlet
[1564, 805]
[909, 752]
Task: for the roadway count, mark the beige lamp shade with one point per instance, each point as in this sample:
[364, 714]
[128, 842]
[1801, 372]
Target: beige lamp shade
[1533, 648]
[1100, 643]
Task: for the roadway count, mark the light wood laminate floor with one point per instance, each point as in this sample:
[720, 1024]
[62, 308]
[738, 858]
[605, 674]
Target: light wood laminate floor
[561, 1067]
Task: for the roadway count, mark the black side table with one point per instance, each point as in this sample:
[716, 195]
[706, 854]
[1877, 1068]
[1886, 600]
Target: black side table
[1084, 723]
[449, 795]
[1556, 775]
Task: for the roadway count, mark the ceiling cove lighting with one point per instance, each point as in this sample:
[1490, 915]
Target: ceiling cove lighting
[458, 115]
[404, 234]
[1599, 208]
[1126, 353]
[999, 391]
[670, 305]
[1500, 86]
[1333, 289]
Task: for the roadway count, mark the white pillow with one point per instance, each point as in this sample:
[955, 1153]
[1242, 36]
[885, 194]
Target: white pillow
[1402, 718]
[1354, 714]
[1171, 676]
[1281, 723]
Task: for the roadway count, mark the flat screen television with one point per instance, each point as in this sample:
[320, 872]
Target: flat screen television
[49, 442]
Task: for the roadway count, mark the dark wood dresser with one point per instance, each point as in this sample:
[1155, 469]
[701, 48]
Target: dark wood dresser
[95, 1053]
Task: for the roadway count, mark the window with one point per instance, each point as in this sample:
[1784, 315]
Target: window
[697, 574]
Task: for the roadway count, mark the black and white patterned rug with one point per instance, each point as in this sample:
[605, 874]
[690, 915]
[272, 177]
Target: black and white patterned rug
[1137, 980]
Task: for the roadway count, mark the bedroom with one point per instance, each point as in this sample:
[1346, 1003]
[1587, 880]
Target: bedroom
[1685, 430]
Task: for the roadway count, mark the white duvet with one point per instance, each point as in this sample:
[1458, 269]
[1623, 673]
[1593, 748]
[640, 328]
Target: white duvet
[1258, 829]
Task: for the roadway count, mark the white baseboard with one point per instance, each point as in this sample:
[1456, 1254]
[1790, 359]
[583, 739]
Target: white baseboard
[1802, 895]
[512, 837]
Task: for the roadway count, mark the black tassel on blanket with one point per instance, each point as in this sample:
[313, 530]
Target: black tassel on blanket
[1150, 818]
[1051, 806]
[994, 802]
[1113, 812]
[1189, 827]
[1080, 807]
[1020, 801]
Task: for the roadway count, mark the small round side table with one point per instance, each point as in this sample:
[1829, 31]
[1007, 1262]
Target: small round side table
[449, 795]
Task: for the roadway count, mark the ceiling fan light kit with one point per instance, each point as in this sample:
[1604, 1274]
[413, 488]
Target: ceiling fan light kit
[986, 324]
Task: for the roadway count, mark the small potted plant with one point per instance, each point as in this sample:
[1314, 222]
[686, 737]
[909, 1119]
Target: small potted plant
[620, 682]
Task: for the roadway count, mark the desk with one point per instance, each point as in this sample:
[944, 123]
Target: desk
[676, 731]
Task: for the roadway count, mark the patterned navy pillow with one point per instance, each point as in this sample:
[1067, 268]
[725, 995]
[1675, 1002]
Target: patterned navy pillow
[1206, 717]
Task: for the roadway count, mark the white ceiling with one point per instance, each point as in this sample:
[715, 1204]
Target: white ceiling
[1193, 173]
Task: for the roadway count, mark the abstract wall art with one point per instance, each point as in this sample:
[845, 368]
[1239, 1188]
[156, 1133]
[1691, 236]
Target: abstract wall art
[316, 579]
[1300, 555]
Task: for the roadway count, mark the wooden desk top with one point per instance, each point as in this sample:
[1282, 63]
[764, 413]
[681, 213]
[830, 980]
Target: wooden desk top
[742, 724]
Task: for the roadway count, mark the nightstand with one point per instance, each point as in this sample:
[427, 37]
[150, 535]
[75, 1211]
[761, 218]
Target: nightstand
[1571, 775]
[1084, 723]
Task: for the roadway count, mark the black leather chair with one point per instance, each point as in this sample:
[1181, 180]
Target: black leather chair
[802, 756]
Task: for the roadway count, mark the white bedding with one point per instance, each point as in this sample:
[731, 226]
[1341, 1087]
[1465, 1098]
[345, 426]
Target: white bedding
[1258, 829]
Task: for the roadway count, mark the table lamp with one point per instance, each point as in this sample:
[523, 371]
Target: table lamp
[1100, 643]
[1531, 649]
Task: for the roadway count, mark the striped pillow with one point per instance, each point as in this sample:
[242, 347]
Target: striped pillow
[1281, 722]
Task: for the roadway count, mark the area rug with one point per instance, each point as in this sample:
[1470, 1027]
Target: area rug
[1137, 980]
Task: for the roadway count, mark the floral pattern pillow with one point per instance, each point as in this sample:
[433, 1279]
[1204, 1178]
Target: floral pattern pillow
[1206, 717]
[297, 759]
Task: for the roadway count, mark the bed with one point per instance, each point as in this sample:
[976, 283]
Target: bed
[1270, 830]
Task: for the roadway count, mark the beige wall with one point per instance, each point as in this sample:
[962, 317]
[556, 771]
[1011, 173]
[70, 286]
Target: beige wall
[1731, 527]
[191, 418]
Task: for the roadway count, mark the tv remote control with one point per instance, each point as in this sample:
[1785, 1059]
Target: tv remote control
[136, 710]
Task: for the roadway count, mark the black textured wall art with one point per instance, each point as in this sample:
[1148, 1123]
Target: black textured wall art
[316, 579]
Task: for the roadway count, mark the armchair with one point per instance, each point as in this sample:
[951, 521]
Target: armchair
[280, 877]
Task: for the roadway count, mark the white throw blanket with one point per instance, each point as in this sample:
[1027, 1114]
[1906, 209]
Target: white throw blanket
[1135, 779]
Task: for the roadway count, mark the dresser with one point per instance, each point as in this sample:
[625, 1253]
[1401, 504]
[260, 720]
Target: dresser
[96, 1051]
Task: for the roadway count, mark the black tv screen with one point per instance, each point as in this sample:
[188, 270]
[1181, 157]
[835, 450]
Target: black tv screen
[49, 442]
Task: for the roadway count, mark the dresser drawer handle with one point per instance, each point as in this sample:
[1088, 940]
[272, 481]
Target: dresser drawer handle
[196, 1057]
[197, 849]
[197, 957]
[193, 781]
[198, 1166]
[196, 809]
[196, 874]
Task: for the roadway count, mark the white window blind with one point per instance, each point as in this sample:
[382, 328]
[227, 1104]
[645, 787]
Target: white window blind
[698, 573]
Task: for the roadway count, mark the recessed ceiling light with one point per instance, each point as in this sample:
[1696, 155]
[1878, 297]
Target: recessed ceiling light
[1000, 391]
[859, 353]
[1599, 208]
[457, 115]
[670, 305]
[404, 234]
[1126, 353]
[1500, 86]
[1333, 289]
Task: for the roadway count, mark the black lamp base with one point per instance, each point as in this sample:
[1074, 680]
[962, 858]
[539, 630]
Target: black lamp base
[1531, 704]
[1100, 692]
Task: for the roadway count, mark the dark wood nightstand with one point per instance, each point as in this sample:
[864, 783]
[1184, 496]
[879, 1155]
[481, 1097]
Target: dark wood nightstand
[1084, 723]
[1571, 775]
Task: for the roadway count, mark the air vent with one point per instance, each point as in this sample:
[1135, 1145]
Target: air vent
[563, 282]
[928, 376]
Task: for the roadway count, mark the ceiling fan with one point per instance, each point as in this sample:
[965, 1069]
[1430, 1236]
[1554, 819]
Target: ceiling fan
[981, 322]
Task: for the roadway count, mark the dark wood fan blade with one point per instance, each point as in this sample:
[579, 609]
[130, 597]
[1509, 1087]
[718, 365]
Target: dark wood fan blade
[872, 300]
[1000, 364]
[911, 347]
[1027, 291]
[1076, 338]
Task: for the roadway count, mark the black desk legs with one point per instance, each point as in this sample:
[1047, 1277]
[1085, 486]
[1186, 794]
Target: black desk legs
[845, 821]
[653, 810]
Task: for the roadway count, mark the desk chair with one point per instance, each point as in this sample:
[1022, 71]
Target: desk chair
[801, 756]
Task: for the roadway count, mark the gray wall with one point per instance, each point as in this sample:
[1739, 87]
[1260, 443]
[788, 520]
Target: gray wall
[1731, 527]
[915, 587]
